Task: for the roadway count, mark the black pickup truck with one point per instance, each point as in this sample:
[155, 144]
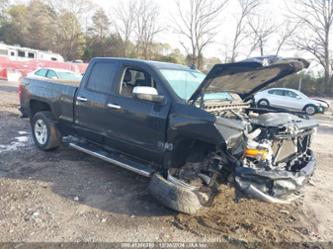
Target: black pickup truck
[189, 132]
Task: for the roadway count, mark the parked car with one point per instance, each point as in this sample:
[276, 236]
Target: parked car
[290, 99]
[55, 74]
[188, 134]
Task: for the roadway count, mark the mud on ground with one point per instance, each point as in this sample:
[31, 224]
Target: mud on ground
[67, 196]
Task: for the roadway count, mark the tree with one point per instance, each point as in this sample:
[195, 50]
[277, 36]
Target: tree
[15, 27]
[262, 29]
[315, 18]
[98, 38]
[33, 25]
[247, 8]
[70, 38]
[209, 63]
[125, 23]
[198, 25]
[41, 30]
[100, 28]
[146, 27]
[4, 4]
[285, 34]
[79, 8]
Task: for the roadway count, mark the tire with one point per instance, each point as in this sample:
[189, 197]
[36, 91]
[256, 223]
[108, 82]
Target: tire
[310, 110]
[263, 103]
[173, 196]
[44, 131]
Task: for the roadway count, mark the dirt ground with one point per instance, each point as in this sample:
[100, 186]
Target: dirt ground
[67, 196]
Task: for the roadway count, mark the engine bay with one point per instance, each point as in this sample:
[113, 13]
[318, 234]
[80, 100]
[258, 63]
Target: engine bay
[265, 154]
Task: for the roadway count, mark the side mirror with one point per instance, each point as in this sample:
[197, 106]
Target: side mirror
[54, 77]
[147, 93]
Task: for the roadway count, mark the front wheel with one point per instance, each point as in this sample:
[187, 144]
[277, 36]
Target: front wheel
[263, 103]
[310, 110]
[44, 131]
[180, 196]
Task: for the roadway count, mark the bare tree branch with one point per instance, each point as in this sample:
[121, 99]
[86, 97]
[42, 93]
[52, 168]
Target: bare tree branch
[247, 7]
[124, 22]
[287, 32]
[197, 23]
[262, 29]
[315, 18]
[147, 26]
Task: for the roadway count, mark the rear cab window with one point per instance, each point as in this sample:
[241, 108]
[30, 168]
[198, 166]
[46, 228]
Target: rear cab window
[101, 77]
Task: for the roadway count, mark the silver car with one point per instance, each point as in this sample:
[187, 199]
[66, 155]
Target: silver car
[289, 99]
[55, 74]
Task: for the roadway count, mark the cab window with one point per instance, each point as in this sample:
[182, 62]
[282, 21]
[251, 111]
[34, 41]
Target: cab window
[51, 75]
[132, 78]
[41, 72]
[101, 77]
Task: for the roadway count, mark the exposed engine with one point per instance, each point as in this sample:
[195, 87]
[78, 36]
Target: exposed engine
[279, 141]
[267, 154]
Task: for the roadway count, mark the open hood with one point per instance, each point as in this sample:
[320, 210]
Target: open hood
[248, 76]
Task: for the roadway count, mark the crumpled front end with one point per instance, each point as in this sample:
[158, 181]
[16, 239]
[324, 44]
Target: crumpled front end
[274, 186]
[277, 158]
[267, 156]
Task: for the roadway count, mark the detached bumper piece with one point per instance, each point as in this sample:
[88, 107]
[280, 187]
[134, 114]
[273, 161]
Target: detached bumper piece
[273, 186]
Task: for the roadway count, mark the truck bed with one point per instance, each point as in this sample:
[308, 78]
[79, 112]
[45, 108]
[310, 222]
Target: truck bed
[58, 94]
[64, 82]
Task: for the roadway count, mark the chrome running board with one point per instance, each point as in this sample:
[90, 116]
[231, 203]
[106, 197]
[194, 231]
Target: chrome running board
[122, 162]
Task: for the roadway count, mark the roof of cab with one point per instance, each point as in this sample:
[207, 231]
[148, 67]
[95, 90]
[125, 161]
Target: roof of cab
[156, 64]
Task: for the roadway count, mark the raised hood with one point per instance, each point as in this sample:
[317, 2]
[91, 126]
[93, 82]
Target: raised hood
[248, 76]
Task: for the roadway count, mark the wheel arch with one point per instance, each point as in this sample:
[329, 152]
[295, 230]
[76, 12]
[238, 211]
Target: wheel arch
[263, 99]
[38, 106]
[186, 148]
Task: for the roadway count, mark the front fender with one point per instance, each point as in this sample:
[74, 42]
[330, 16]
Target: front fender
[193, 123]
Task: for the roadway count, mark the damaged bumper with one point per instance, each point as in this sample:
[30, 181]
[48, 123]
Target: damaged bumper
[275, 185]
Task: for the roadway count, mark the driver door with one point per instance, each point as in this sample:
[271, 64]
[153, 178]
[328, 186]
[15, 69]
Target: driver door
[138, 127]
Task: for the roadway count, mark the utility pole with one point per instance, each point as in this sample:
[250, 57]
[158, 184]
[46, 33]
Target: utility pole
[300, 83]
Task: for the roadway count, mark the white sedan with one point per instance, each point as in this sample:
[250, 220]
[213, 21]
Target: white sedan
[55, 74]
[290, 99]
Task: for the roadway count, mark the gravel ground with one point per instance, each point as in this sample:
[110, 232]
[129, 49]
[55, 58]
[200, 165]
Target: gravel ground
[67, 196]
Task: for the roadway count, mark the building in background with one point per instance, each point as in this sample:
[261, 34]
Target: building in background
[17, 61]
[19, 53]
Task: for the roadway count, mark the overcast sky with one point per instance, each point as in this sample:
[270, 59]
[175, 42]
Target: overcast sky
[274, 10]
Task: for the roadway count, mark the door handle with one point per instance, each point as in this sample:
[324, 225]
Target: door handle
[117, 107]
[82, 99]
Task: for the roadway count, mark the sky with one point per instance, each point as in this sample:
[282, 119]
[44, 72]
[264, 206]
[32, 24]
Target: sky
[273, 10]
[227, 22]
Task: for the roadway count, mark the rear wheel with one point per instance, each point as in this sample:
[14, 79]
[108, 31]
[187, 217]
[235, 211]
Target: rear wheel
[310, 109]
[44, 131]
[263, 103]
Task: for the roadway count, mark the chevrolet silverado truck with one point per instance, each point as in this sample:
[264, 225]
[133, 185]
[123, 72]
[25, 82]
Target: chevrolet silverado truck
[188, 132]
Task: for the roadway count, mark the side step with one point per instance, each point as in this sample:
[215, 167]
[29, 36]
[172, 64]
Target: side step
[125, 163]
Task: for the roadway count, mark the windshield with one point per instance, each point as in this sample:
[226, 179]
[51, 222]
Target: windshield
[185, 82]
[69, 75]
